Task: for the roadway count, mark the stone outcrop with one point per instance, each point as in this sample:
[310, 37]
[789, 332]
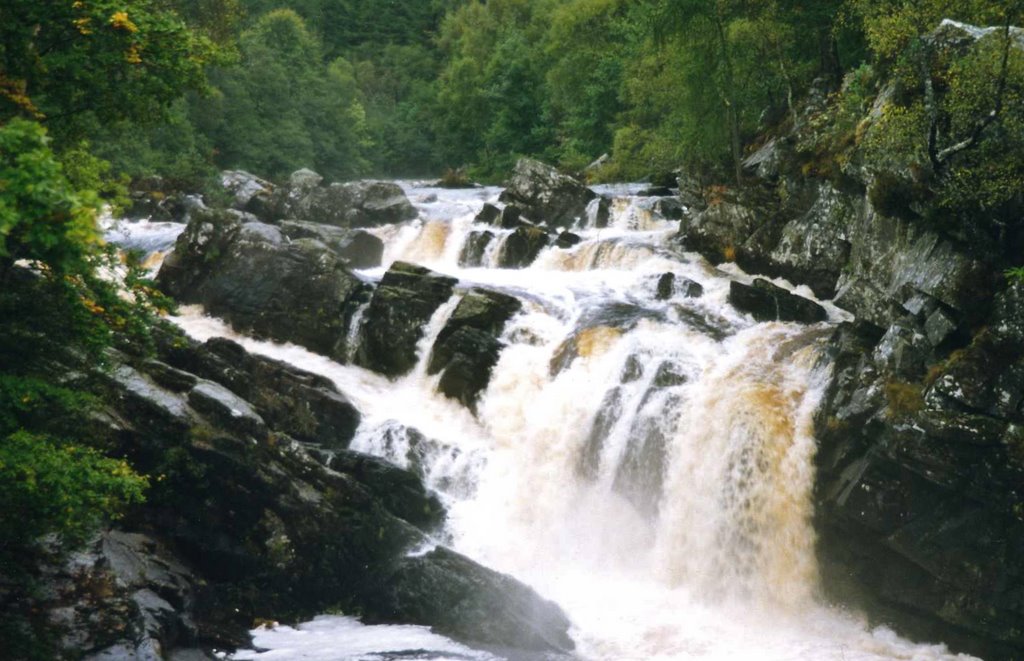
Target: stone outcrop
[403, 303]
[261, 282]
[351, 204]
[545, 195]
[358, 248]
[467, 348]
[521, 248]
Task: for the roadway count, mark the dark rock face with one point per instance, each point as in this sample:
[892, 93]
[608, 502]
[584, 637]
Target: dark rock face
[670, 284]
[467, 348]
[250, 525]
[893, 261]
[720, 231]
[567, 240]
[353, 204]
[814, 247]
[920, 487]
[488, 215]
[305, 406]
[122, 596]
[401, 306]
[358, 248]
[249, 193]
[670, 208]
[482, 606]
[254, 277]
[768, 302]
[546, 195]
[401, 491]
[473, 251]
[511, 217]
[522, 247]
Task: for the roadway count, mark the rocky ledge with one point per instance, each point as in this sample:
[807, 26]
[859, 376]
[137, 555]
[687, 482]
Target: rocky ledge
[259, 512]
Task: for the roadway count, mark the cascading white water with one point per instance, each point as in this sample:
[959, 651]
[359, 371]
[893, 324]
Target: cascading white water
[647, 464]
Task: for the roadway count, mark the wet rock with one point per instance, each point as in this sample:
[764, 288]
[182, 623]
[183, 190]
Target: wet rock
[359, 248]
[249, 192]
[567, 240]
[902, 351]
[304, 180]
[461, 599]
[352, 204]
[720, 231]
[400, 491]
[403, 303]
[666, 286]
[489, 215]
[655, 191]
[522, 247]
[669, 284]
[467, 348]
[511, 217]
[305, 406]
[891, 259]
[475, 248]
[768, 302]
[597, 213]
[226, 409]
[546, 195]
[939, 327]
[121, 596]
[254, 277]
[814, 248]
[669, 208]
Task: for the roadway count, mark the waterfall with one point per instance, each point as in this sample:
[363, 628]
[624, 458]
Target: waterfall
[646, 463]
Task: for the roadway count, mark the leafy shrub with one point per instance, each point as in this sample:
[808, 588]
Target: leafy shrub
[61, 488]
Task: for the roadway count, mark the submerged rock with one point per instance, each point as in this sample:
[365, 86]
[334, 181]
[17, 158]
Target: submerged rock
[403, 303]
[768, 302]
[546, 195]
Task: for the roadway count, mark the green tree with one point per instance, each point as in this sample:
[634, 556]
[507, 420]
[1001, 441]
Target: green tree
[282, 108]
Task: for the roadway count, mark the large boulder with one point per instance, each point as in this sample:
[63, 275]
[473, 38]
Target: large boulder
[249, 193]
[768, 302]
[522, 246]
[352, 204]
[261, 282]
[481, 605]
[546, 195]
[306, 406]
[467, 348]
[359, 248]
[403, 303]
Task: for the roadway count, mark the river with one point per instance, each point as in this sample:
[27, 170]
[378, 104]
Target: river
[647, 463]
